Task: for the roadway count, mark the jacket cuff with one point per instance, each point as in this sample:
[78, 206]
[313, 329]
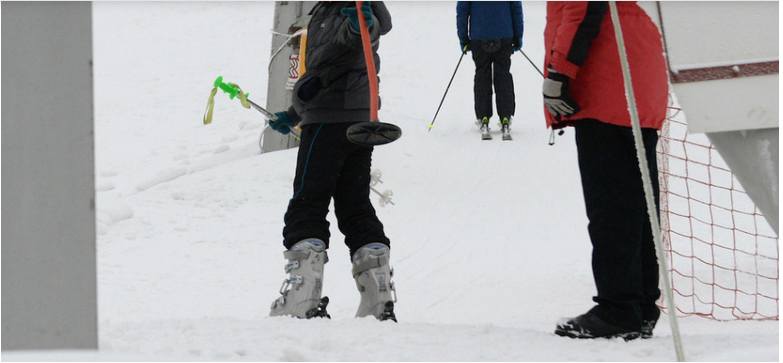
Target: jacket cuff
[291, 112]
[561, 65]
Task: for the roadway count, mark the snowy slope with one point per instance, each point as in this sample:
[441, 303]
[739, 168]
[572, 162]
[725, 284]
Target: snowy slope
[489, 239]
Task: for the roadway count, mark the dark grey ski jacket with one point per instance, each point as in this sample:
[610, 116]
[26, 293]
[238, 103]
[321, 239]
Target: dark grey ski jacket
[335, 87]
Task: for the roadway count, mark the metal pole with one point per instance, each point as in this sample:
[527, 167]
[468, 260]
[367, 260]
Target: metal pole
[531, 62]
[447, 89]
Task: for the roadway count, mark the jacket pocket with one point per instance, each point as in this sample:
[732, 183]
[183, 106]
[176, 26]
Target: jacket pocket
[309, 89]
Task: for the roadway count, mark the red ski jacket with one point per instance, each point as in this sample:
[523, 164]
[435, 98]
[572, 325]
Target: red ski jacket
[580, 43]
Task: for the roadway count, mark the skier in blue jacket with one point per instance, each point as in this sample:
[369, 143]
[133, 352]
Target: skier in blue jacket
[492, 31]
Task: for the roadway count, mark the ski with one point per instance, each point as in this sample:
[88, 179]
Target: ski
[485, 135]
[506, 130]
[485, 131]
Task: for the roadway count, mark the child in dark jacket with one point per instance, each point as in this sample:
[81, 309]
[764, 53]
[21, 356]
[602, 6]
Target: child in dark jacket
[330, 97]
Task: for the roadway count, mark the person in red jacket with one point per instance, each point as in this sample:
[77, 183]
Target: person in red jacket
[584, 88]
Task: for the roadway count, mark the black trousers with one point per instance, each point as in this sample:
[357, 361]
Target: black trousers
[625, 267]
[492, 68]
[330, 166]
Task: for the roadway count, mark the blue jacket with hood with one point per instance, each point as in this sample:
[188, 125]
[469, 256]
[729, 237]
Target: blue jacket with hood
[480, 20]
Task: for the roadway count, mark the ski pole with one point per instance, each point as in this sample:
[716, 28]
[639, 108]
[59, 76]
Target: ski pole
[531, 62]
[234, 90]
[372, 132]
[561, 132]
[464, 50]
[369, 61]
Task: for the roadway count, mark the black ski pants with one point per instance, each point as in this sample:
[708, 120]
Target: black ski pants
[625, 267]
[329, 166]
[493, 68]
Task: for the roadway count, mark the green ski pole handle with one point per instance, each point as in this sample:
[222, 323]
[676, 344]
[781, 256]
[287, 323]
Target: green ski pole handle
[232, 89]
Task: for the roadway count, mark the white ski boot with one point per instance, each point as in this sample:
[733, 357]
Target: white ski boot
[373, 279]
[301, 291]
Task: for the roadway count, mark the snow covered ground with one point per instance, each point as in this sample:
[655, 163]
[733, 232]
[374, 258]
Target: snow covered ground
[489, 239]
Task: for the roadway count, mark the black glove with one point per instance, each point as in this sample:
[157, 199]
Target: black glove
[557, 98]
[464, 46]
[282, 123]
[353, 16]
[516, 44]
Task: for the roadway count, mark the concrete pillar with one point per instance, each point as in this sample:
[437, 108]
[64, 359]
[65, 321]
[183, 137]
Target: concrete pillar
[290, 16]
[48, 226]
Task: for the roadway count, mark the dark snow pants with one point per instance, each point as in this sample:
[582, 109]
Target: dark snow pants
[330, 166]
[492, 67]
[625, 267]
